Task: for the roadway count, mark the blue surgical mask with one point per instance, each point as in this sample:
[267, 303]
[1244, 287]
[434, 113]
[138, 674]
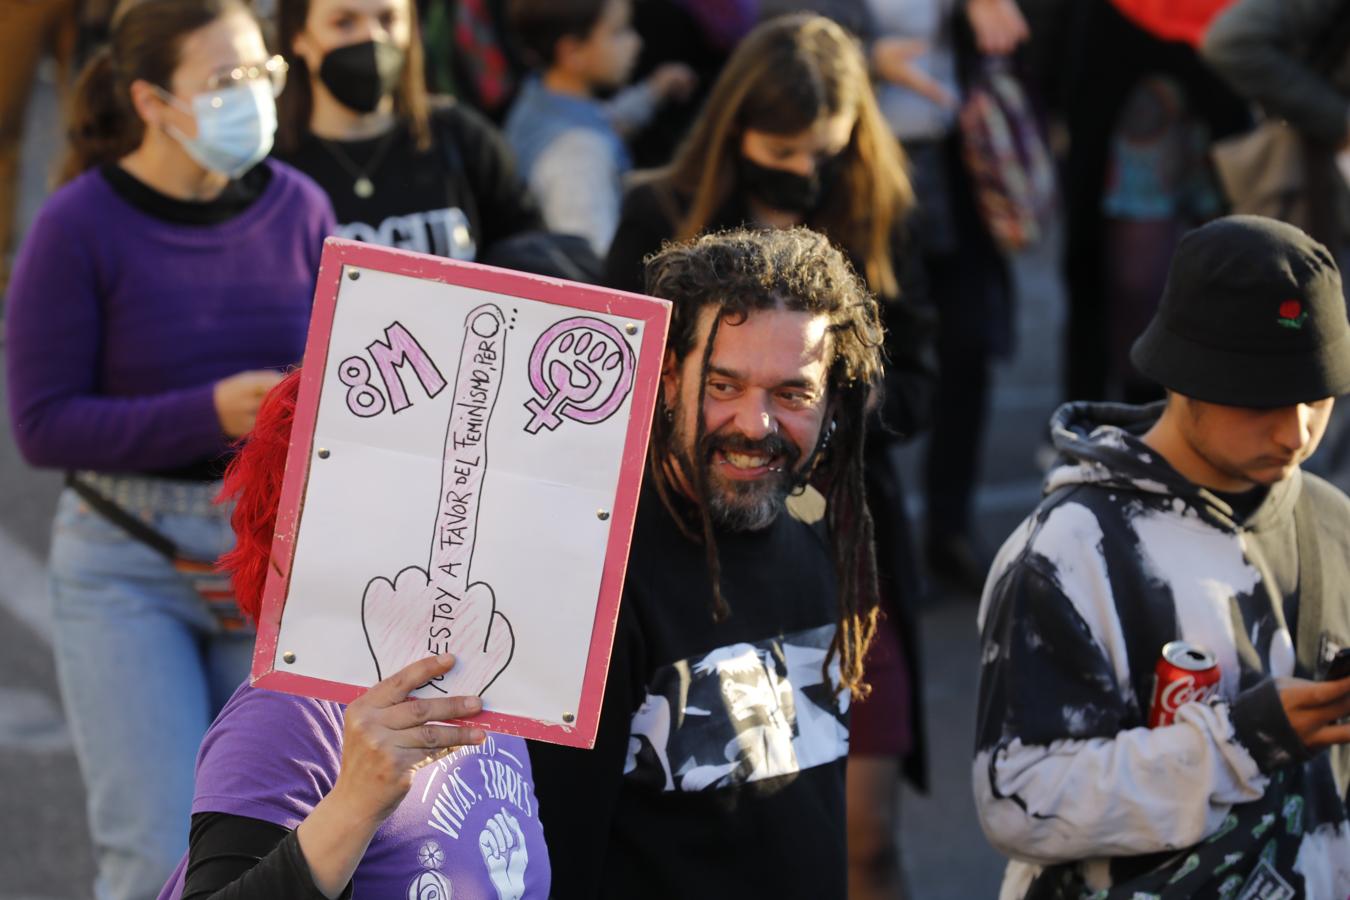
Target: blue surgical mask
[234, 127]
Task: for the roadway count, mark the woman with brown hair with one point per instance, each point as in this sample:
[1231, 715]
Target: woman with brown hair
[791, 135]
[400, 170]
[156, 298]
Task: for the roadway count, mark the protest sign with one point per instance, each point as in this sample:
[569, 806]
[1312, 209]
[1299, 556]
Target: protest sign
[463, 474]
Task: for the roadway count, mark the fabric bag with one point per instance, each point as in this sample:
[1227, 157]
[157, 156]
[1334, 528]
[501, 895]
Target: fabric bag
[1265, 172]
[1275, 171]
[1011, 169]
[211, 584]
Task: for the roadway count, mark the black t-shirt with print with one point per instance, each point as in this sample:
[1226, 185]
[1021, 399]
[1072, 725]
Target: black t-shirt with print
[451, 199]
[718, 767]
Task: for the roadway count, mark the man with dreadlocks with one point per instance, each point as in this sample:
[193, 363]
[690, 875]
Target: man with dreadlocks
[718, 769]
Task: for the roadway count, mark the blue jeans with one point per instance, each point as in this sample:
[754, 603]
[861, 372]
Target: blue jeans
[143, 669]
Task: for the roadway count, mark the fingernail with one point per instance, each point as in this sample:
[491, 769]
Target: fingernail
[446, 659]
[475, 704]
[477, 736]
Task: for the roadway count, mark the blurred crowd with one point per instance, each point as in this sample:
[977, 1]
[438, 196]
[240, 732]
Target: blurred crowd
[210, 146]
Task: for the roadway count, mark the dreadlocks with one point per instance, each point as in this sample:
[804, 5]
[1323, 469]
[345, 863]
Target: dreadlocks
[741, 271]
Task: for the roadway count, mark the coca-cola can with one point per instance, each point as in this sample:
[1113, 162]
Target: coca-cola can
[1185, 673]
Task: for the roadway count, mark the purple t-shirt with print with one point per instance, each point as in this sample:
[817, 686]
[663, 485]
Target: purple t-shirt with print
[468, 829]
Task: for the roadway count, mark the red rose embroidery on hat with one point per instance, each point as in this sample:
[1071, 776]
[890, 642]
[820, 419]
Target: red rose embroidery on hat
[1292, 314]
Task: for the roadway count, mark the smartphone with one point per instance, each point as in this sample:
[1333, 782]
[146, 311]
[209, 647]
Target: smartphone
[1340, 666]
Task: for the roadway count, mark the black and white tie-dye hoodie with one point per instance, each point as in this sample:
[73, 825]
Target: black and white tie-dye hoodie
[1122, 556]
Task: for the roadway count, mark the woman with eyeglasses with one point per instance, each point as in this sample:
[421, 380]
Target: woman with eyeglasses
[159, 294]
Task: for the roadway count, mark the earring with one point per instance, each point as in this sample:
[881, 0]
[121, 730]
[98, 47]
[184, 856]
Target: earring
[829, 433]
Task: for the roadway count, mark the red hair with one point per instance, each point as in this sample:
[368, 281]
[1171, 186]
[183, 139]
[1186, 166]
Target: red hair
[253, 481]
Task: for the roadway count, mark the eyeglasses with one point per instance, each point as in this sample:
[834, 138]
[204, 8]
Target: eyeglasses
[273, 71]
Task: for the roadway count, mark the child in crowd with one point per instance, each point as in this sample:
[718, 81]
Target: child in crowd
[569, 143]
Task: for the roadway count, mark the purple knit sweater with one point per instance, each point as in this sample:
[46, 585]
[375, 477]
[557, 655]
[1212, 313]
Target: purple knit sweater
[119, 324]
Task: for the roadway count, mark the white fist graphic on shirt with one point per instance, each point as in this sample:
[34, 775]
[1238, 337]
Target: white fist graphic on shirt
[504, 853]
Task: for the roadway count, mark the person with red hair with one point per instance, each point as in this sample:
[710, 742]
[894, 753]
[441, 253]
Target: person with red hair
[297, 797]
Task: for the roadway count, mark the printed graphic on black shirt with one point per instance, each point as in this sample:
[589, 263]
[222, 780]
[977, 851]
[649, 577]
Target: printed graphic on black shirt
[417, 201]
[442, 232]
[741, 713]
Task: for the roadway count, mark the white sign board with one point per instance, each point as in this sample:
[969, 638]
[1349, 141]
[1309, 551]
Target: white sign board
[463, 474]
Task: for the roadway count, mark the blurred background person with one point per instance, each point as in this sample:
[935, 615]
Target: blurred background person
[569, 144]
[401, 171]
[156, 297]
[791, 134]
[920, 67]
[95, 19]
[469, 53]
[697, 33]
[1136, 177]
[29, 31]
[1293, 60]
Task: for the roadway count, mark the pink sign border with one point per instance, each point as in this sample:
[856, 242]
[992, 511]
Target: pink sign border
[338, 256]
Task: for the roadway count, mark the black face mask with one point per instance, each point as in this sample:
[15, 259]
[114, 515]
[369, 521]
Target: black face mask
[788, 191]
[360, 75]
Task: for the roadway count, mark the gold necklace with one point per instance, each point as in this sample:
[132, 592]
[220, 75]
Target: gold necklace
[362, 186]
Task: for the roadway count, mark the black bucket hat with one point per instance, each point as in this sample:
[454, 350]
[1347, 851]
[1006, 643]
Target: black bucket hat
[1252, 315]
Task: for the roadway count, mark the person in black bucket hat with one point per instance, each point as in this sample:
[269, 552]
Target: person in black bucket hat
[1189, 520]
[1252, 343]
[1252, 315]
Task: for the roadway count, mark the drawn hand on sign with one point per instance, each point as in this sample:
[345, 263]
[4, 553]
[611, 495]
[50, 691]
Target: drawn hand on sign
[502, 844]
[581, 368]
[437, 610]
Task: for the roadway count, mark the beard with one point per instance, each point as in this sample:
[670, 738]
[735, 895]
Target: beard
[736, 504]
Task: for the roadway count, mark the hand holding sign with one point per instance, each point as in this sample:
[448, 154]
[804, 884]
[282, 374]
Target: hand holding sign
[437, 610]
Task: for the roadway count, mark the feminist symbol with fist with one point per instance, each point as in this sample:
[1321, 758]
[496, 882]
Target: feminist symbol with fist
[580, 368]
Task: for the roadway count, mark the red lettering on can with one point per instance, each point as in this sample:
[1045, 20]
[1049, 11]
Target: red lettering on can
[1186, 673]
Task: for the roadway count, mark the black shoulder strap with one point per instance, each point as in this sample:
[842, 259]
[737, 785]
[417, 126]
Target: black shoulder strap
[121, 518]
[1310, 581]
